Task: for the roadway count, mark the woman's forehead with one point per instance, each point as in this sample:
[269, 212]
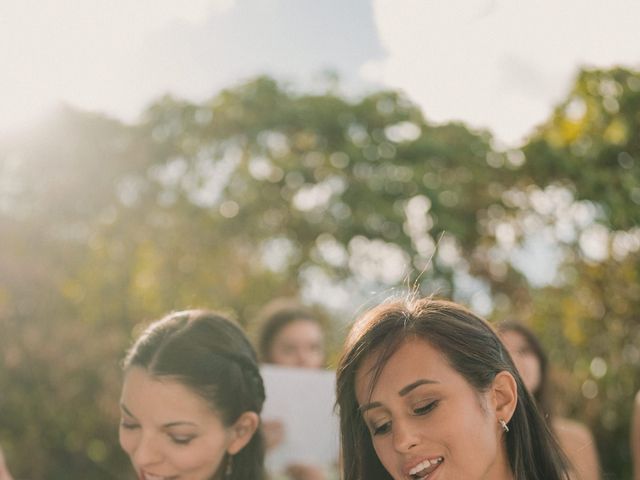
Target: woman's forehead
[142, 391]
[412, 358]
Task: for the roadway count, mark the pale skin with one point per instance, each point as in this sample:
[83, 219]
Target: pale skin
[423, 412]
[4, 470]
[524, 357]
[298, 344]
[578, 445]
[171, 433]
[575, 438]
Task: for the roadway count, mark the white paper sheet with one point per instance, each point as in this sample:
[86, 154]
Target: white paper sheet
[303, 400]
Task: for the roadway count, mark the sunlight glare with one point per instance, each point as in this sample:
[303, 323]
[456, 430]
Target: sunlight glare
[62, 51]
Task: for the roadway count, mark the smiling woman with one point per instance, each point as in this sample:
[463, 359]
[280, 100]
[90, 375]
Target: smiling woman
[191, 400]
[426, 390]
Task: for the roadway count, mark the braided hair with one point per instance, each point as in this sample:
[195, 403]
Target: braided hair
[211, 355]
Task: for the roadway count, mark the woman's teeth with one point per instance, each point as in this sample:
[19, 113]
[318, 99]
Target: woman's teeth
[425, 468]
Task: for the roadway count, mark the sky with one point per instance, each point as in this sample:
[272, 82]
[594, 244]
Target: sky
[499, 65]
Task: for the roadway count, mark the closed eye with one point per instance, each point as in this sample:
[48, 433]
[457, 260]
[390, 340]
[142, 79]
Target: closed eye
[128, 425]
[181, 440]
[381, 429]
[424, 409]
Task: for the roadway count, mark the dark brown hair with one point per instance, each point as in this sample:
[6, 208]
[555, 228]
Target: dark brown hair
[472, 348]
[209, 354]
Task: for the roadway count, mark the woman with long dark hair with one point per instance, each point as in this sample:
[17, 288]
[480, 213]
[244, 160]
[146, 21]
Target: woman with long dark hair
[427, 390]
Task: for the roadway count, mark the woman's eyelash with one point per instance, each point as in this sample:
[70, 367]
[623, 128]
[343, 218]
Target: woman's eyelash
[181, 440]
[421, 410]
[382, 429]
[174, 439]
[425, 408]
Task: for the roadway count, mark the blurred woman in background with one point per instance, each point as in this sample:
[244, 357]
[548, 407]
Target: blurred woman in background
[191, 400]
[290, 335]
[574, 438]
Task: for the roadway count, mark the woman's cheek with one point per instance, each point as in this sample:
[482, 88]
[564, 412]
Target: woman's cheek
[127, 440]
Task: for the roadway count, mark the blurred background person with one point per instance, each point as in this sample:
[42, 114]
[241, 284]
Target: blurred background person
[4, 470]
[291, 335]
[635, 437]
[531, 361]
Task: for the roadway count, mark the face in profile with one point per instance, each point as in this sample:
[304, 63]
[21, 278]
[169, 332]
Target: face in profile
[427, 422]
[169, 432]
[299, 343]
[524, 357]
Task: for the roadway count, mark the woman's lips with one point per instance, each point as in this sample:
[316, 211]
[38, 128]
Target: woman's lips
[424, 468]
[150, 476]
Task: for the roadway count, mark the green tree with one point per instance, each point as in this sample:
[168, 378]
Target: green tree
[590, 151]
[264, 191]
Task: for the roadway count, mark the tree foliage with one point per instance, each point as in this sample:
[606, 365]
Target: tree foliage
[263, 191]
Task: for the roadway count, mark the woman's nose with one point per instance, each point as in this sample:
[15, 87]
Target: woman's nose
[147, 452]
[405, 436]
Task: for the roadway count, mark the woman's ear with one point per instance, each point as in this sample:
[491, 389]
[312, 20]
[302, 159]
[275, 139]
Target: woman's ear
[504, 392]
[242, 431]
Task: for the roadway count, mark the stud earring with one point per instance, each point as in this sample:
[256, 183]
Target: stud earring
[503, 424]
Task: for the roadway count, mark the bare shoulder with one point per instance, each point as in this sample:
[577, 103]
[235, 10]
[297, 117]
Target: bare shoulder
[578, 444]
[572, 432]
[4, 471]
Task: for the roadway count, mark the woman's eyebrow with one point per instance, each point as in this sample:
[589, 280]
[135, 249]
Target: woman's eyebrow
[178, 423]
[166, 425]
[124, 408]
[405, 390]
[369, 406]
